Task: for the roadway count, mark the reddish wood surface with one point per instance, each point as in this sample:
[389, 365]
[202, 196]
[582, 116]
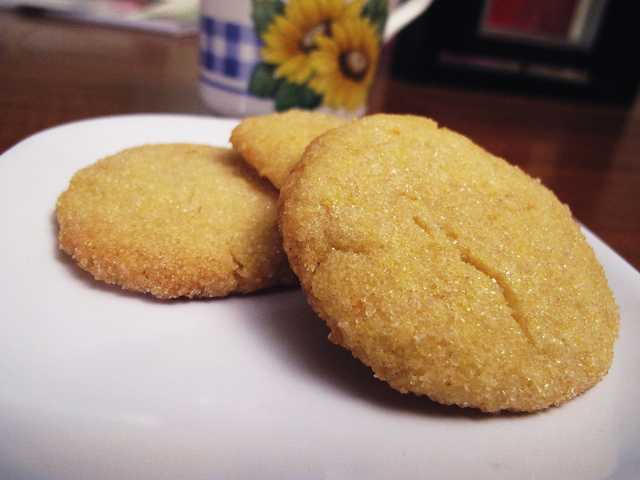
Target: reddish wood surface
[53, 71]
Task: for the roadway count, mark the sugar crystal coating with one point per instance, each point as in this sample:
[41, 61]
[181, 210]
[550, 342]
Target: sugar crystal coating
[174, 220]
[274, 143]
[449, 272]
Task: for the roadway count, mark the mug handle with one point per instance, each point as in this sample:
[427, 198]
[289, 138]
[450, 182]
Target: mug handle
[403, 15]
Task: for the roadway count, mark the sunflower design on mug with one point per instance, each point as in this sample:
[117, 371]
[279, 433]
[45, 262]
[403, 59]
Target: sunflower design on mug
[317, 52]
[344, 63]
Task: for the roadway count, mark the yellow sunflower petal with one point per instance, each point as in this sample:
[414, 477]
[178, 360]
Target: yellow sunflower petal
[327, 45]
[353, 9]
[295, 69]
[312, 13]
[324, 63]
[342, 35]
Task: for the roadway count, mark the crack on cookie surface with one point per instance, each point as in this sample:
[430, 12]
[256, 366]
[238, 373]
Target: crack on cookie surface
[509, 294]
[496, 276]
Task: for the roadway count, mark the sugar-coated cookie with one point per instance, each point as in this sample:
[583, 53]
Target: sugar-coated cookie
[449, 272]
[174, 220]
[274, 143]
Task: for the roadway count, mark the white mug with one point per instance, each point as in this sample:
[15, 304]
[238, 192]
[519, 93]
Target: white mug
[262, 56]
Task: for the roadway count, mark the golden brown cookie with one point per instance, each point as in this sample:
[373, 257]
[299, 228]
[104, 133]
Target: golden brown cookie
[449, 272]
[274, 143]
[174, 220]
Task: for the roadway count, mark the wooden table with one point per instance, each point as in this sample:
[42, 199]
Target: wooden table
[53, 71]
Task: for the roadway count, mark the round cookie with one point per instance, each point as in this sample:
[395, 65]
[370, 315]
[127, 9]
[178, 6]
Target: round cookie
[274, 143]
[174, 220]
[449, 272]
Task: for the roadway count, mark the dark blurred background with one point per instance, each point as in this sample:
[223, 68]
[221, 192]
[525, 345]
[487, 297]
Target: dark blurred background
[586, 50]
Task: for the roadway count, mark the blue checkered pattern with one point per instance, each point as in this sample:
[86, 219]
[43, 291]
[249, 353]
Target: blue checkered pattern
[228, 49]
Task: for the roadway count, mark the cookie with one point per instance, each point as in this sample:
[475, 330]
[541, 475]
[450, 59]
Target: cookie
[449, 272]
[174, 220]
[274, 143]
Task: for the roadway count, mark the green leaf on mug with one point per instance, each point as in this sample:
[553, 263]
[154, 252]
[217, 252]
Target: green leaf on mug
[263, 12]
[294, 95]
[263, 82]
[376, 11]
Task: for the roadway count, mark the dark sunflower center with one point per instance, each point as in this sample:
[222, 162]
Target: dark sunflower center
[354, 64]
[307, 43]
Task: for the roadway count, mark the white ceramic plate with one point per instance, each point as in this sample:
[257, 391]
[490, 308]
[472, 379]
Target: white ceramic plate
[98, 383]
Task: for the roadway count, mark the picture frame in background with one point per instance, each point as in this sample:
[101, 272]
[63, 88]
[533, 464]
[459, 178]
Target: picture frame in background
[585, 50]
